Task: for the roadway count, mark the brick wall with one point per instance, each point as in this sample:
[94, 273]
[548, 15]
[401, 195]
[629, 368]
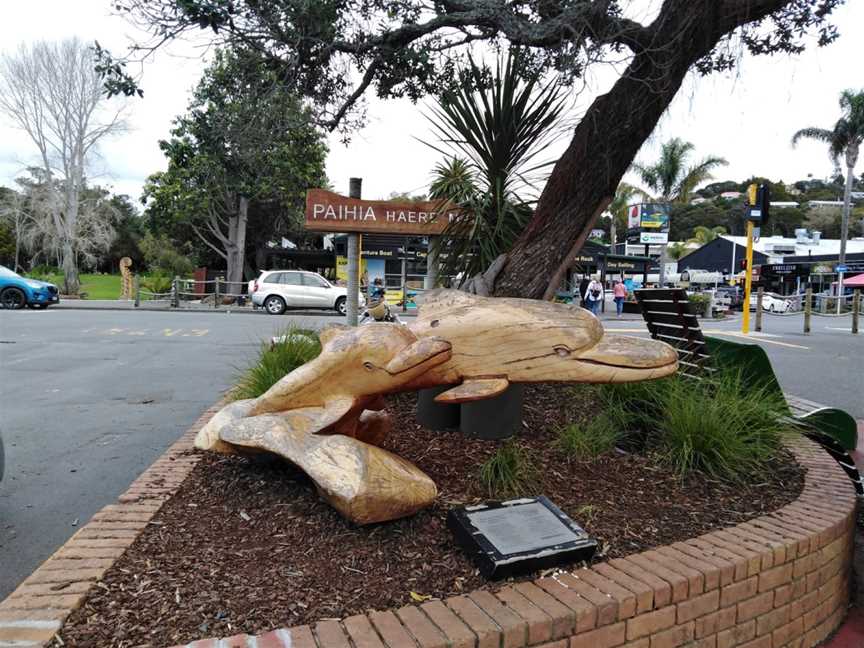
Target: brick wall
[778, 581]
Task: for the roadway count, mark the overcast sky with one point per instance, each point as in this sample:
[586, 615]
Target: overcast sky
[748, 117]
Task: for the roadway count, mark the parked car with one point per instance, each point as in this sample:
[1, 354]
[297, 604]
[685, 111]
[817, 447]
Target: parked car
[733, 293]
[17, 291]
[770, 303]
[278, 290]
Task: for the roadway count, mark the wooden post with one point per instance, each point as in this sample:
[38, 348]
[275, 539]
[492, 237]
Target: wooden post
[404, 275]
[431, 263]
[136, 282]
[354, 191]
[856, 309]
[808, 307]
[759, 293]
[216, 293]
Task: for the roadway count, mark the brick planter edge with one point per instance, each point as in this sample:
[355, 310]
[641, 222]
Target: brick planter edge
[778, 581]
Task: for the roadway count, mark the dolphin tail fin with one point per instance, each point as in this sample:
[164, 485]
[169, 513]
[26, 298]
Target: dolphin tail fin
[473, 389]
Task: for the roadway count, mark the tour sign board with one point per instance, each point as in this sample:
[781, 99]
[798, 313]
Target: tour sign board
[329, 212]
[519, 536]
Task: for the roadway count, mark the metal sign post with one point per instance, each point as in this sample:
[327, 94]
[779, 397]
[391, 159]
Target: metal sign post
[748, 280]
[758, 200]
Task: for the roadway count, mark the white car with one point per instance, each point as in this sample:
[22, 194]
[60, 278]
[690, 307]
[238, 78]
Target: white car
[770, 303]
[278, 290]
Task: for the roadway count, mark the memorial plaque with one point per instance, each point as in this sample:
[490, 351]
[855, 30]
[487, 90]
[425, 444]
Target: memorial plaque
[519, 536]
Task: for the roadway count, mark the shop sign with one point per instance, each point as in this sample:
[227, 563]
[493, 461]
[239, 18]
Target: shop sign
[329, 212]
[648, 223]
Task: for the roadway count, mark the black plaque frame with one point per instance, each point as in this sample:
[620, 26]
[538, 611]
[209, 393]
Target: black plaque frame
[495, 565]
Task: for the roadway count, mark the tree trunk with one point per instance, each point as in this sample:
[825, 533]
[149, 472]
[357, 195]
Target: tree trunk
[851, 159]
[584, 180]
[71, 283]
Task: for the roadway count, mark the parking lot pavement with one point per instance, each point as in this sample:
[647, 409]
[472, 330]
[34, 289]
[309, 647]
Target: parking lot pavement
[89, 399]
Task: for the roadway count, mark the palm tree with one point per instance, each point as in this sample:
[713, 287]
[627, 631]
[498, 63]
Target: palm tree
[497, 122]
[453, 180]
[844, 139]
[670, 178]
[673, 181]
[676, 250]
[703, 235]
[624, 196]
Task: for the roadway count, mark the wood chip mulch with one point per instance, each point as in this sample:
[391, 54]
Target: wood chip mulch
[249, 547]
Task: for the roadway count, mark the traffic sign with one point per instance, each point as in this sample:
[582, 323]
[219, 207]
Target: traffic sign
[841, 268]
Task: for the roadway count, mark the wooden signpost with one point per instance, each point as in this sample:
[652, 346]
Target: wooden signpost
[331, 212]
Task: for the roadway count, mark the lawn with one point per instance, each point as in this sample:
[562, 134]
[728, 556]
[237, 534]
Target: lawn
[97, 286]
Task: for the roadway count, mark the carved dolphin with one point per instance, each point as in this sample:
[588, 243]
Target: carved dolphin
[498, 341]
[325, 416]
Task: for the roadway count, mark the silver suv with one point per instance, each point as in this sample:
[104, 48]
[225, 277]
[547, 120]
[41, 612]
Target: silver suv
[278, 290]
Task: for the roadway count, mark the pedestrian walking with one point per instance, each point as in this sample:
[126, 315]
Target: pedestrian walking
[594, 296]
[583, 290]
[619, 292]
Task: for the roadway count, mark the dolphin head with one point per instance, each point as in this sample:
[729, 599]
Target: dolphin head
[374, 359]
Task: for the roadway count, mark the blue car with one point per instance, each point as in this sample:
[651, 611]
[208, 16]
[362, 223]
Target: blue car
[17, 291]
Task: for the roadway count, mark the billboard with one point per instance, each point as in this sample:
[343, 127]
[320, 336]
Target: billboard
[648, 223]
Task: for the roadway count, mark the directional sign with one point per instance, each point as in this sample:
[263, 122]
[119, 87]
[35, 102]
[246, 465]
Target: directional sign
[841, 268]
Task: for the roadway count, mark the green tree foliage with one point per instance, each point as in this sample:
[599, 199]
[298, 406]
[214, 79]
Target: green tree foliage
[498, 133]
[333, 52]
[671, 178]
[242, 156]
[703, 235]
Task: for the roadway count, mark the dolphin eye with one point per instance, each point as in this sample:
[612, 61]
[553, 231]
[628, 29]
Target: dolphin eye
[369, 366]
[562, 351]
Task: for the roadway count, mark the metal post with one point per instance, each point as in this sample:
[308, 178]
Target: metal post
[748, 281]
[354, 191]
[136, 283]
[759, 292]
[645, 269]
[175, 297]
[431, 263]
[856, 309]
[808, 307]
[839, 292]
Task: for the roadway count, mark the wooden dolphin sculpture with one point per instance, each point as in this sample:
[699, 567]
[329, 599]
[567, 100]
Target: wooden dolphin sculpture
[498, 341]
[326, 416]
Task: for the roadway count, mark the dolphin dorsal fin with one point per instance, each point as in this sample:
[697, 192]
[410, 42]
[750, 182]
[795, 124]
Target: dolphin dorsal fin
[440, 301]
[473, 389]
[331, 331]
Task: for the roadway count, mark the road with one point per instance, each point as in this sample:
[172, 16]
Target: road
[91, 398]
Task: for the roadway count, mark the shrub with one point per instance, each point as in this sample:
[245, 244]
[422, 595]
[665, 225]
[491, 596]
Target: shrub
[508, 472]
[718, 425]
[277, 360]
[158, 281]
[598, 436]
